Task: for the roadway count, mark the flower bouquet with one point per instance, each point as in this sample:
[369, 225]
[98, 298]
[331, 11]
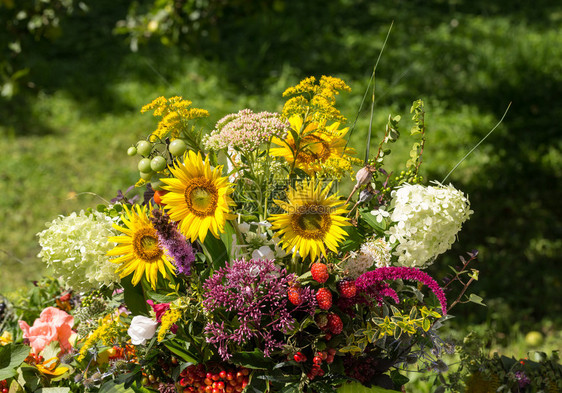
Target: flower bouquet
[244, 266]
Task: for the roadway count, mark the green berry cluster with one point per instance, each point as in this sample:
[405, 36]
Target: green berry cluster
[408, 177]
[155, 158]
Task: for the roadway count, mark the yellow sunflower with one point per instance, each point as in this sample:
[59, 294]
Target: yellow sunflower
[198, 197]
[139, 249]
[317, 146]
[312, 220]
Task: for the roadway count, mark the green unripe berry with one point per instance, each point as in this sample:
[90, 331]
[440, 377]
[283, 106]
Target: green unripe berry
[132, 151]
[177, 147]
[144, 165]
[146, 176]
[144, 148]
[158, 163]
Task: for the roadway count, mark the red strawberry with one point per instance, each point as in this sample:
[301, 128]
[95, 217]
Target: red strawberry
[324, 298]
[319, 272]
[346, 288]
[335, 324]
[294, 295]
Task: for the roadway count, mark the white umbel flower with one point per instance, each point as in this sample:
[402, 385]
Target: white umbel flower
[426, 221]
[378, 250]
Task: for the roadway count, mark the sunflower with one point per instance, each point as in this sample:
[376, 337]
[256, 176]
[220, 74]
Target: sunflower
[317, 145]
[198, 197]
[139, 249]
[312, 220]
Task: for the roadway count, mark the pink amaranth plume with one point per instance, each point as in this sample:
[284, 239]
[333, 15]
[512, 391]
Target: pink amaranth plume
[372, 283]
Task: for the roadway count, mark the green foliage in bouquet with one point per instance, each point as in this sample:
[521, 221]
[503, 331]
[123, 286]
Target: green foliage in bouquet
[243, 268]
[480, 371]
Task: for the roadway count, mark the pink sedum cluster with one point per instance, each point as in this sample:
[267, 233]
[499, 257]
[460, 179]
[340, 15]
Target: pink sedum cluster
[53, 325]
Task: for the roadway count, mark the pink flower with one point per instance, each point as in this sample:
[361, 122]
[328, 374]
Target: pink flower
[53, 325]
[159, 309]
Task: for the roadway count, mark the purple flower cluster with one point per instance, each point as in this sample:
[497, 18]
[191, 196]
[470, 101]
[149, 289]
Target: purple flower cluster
[256, 292]
[174, 243]
[372, 283]
[522, 379]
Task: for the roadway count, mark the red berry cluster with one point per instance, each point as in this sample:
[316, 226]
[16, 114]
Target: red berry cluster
[4, 386]
[320, 357]
[196, 378]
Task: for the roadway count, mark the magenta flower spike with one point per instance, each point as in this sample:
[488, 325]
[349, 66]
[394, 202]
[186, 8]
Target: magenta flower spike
[372, 282]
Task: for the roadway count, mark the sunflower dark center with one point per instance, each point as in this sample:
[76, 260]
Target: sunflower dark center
[146, 246]
[317, 149]
[311, 221]
[201, 197]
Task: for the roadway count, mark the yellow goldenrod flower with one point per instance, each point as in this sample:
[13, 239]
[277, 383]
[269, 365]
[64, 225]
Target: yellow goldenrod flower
[170, 317]
[175, 112]
[315, 101]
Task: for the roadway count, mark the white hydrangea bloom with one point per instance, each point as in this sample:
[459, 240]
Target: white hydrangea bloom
[426, 222]
[75, 247]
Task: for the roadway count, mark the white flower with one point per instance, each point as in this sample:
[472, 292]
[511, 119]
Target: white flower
[76, 246]
[264, 252]
[380, 214]
[142, 328]
[357, 264]
[244, 227]
[426, 221]
[378, 250]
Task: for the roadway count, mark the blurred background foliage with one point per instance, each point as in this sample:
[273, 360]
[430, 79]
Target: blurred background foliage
[74, 74]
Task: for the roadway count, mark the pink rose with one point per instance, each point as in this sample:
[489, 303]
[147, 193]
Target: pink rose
[53, 325]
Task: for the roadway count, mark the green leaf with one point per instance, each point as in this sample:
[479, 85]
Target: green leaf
[356, 387]
[426, 324]
[398, 379]
[352, 240]
[181, 349]
[113, 387]
[476, 299]
[226, 237]
[253, 360]
[292, 388]
[350, 348]
[216, 250]
[370, 219]
[134, 296]
[53, 390]
[11, 357]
